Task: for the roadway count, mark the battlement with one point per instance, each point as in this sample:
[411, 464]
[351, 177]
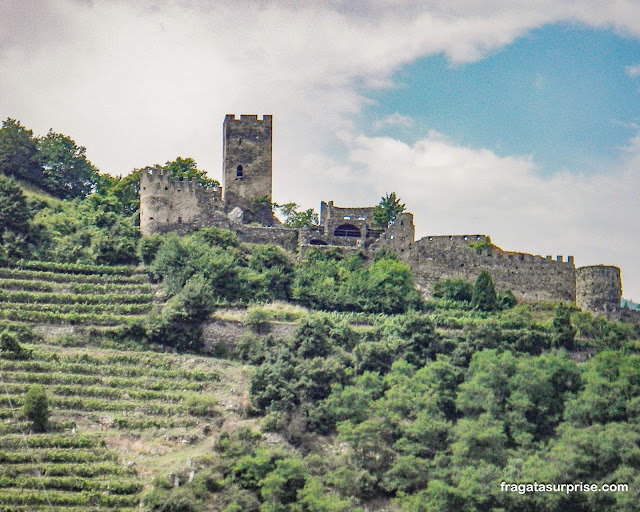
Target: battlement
[250, 118]
[159, 181]
[175, 204]
[479, 248]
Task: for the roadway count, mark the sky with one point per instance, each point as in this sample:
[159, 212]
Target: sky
[515, 119]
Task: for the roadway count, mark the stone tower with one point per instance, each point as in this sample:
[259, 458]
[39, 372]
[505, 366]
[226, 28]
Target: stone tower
[247, 165]
[599, 289]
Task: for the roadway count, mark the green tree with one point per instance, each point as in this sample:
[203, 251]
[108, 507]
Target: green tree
[564, 332]
[484, 294]
[10, 347]
[314, 498]
[281, 486]
[125, 189]
[187, 168]
[148, 247]
[19, 152]
[16, 225]
[294, 218]
[93, 230]
[67, 171]
[611, 390]
[36, 408]
[14, 212]
[389, 287]
[275, 273]
[179, 323]
[385, 212]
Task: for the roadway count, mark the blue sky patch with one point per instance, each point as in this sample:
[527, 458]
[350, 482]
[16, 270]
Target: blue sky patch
[562, 93]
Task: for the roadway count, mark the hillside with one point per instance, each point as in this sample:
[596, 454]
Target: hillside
[230, 377]
[118, 418]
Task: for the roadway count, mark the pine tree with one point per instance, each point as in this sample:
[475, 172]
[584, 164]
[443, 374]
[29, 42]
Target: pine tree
[385, 212]
[484, 294]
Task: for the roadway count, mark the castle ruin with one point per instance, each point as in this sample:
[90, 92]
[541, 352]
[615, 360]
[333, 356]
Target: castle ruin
[244, 205]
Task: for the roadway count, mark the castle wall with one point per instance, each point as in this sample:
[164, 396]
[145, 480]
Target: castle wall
[599, 289]
[400, 234]
[168, 205]
[530, 277]
[286, 238]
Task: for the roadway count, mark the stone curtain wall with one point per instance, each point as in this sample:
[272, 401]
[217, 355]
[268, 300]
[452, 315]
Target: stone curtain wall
[529, 277]
[400, 234]
[284, 237]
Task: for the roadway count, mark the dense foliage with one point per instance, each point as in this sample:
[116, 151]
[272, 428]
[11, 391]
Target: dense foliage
[96, 221]
[15, 221]
[332, 281]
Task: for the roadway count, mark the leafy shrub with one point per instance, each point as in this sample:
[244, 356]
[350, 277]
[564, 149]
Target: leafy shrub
[10, 348]
[215, 236]
[258, 320]
[36, 408]
[148, 248]
[275, 271]
[328, 280]
[178, 325]
[564, 332]
[506, 300]
[453, 289]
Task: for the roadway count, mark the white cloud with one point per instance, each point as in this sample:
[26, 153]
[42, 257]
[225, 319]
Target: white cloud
[633, 71]
[395, 119]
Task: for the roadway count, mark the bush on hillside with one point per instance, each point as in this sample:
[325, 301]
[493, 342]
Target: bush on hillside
[334, 282]
[10, 347]
[179, 324]
[148, 248]
[453, 289]
[564, 332]
[36, 408]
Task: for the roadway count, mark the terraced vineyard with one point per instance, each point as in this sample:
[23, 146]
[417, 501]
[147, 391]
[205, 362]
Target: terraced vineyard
[54, 293]
[115, 416]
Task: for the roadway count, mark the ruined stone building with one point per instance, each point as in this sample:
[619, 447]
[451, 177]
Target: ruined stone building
[244, 205]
